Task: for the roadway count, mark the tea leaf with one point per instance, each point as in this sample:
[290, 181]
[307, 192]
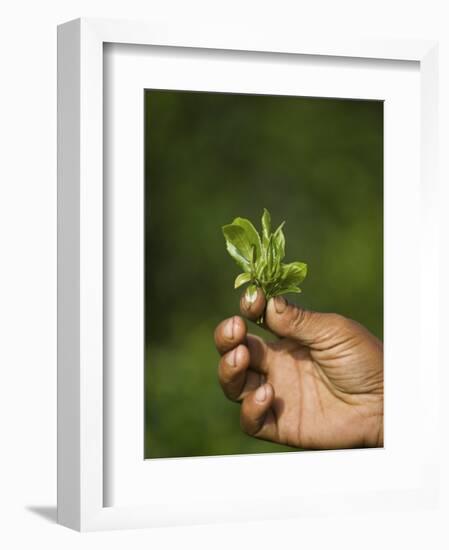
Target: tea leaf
[260, 257]
[242, 279]
[288, 290]
[266, 226]
[261, 267]
[271, 251]
[253, 256]
[251, 234]
[274, 259]
[279, 240]
[293, 274]
[238, 245]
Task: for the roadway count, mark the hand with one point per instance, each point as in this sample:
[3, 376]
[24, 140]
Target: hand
[320, 386]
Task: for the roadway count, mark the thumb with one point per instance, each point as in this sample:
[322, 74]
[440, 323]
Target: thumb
[290, 321]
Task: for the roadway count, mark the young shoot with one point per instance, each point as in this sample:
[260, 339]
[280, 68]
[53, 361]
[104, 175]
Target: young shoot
[260, 258]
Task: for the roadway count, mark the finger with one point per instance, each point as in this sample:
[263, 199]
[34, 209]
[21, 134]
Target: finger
[232, 371]
[229, 334]
[290, 321]
[259, 353]
[256, 415]
[252, 305]
[233, 374]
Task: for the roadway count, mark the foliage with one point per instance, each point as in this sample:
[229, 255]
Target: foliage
[260, 257]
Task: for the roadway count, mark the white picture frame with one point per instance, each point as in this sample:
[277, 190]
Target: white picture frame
[84, 471]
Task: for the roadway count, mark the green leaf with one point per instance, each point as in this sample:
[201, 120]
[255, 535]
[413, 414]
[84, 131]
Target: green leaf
[260, 257]
[253, 256]
[238, 246]
[287, 290]
[293, 274]
[277, 268]
[266, 227]
[270, 255]
[261, 268]
[273, 263]
[279, 241]
[242, 279]
[251, 234]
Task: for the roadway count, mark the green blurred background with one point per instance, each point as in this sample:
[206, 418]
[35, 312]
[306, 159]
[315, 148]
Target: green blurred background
[209, 157]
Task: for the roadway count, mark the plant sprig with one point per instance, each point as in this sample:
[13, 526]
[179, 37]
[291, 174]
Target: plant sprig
[260, 257]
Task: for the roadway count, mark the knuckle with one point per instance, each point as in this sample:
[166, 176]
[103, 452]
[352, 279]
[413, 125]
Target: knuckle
[297, 317]
[336, 318]
[340, 321]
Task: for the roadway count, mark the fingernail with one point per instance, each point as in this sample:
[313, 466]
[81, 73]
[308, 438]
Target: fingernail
[229, 329]
[251, 295]
[231, 358]
[280, 304]
[261, 394]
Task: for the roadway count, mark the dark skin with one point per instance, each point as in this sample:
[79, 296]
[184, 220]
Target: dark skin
[319, 386]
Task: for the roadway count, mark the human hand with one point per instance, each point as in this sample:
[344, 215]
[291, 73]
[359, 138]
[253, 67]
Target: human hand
[320, 386]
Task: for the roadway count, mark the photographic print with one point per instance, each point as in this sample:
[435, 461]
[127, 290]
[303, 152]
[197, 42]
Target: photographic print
[263, 273]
